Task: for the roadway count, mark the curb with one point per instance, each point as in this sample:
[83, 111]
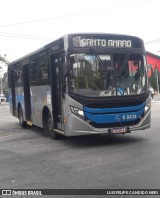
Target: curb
[156, 101]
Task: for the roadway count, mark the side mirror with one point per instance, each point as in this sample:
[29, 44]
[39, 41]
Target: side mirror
[65, 69]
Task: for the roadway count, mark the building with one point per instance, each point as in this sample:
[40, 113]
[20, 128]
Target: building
[154, 61]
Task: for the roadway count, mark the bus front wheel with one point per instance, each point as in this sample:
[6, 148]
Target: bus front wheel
[48, 126]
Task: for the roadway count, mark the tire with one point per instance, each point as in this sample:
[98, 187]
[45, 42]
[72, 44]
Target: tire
[22, 123]
[48, 127]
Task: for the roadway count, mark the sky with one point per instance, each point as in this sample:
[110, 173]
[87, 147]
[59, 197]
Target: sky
[27, 25]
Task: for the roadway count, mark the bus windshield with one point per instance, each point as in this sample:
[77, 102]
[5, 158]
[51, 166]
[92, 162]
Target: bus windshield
[97, 75]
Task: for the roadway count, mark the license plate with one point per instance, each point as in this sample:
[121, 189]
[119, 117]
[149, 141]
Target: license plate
[119, 130]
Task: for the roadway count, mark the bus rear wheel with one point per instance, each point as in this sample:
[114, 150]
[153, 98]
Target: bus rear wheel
[48, 127]
[21, 119]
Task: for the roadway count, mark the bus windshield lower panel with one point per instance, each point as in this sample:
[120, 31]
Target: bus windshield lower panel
[99, 75]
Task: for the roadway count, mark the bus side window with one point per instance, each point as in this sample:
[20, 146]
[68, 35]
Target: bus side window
[39, 69]
[18, 75]
[43, 67]
[33, 70]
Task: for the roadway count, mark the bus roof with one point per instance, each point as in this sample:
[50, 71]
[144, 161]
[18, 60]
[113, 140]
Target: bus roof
[70, 35]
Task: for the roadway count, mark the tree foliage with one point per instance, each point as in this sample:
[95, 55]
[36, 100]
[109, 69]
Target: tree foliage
[153, 79]
[3, 59]
[4, 63]
[5, 83]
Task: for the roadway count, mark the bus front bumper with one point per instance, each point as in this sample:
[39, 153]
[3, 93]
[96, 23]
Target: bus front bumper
[77, 126]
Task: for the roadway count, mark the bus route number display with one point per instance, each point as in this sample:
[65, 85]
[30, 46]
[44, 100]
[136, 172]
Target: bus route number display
[101, 42]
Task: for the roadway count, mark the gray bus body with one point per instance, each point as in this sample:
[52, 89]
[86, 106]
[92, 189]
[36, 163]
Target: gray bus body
[82, 84]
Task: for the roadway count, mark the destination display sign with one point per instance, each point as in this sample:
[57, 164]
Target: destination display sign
[79, 41]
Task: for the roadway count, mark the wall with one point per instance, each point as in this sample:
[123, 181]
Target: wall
[153, 60]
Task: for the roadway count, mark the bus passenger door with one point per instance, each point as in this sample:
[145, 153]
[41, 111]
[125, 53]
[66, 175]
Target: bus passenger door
[56, 87]
[27, 96]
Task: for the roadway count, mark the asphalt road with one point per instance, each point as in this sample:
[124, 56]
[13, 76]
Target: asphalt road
[29, 160]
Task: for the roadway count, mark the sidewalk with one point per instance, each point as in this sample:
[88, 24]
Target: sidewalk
[156, 98]
[4, 103]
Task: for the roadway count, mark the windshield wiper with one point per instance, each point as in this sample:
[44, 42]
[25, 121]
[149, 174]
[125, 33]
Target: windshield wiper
[92, 51]
[125, 61]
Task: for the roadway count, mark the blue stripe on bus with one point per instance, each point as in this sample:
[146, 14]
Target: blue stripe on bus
[113, 110]
[113, 118]
[113, 115]
[20, 98]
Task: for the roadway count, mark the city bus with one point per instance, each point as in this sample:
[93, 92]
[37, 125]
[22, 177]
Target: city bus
[82, 84]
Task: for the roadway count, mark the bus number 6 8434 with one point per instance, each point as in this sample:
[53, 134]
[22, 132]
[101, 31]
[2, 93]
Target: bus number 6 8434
[129, 117]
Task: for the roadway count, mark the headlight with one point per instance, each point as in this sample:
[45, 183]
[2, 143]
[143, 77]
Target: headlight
[146, 108]
[77, 111]
[148, 105]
